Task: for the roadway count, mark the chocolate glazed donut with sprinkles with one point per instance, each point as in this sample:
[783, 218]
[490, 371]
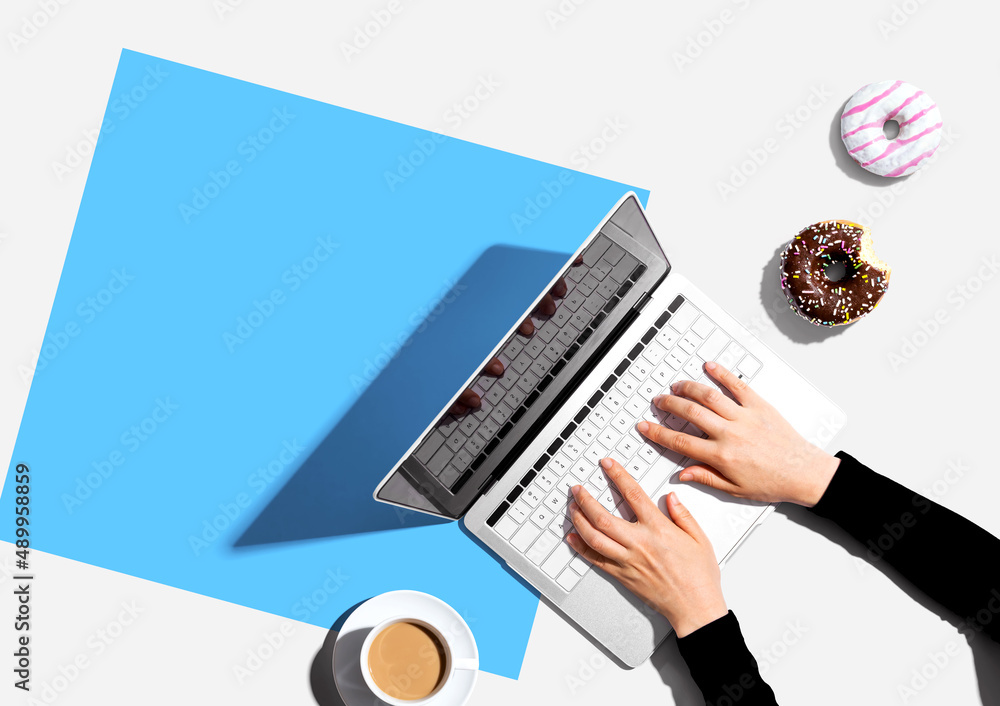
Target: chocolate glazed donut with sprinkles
[818, 252]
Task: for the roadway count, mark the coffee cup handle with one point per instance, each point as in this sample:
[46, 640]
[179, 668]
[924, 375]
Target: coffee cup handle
[466, 663]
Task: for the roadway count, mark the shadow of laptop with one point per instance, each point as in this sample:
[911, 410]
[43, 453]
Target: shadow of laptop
[330, 493]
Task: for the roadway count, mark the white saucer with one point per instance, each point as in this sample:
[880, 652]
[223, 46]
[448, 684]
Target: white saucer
[412, 604]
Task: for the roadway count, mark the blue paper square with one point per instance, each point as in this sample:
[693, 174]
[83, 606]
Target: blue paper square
[265, 299]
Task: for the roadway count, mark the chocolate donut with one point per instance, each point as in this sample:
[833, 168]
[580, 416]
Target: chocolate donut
[812, 294]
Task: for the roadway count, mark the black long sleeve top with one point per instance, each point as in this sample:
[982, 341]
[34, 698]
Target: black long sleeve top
[952, 560]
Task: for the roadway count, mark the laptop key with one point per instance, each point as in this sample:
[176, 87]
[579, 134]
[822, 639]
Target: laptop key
[505, 527]
[621, 271]
[607, 288]
[541, 516]
[567, 335]
[511, 350]
[545, 543]
[430, 446]
[703, 326]
[525, 536]
[667, 337]
[532, 495]
[456, 441]
[596, 249]
[559, 559]
[561, 524]
[568, 579]
[693, 368]
[749, 366]
[683, 317]
[449, 475]
[440, 460]
[601, 270]
[614, 253]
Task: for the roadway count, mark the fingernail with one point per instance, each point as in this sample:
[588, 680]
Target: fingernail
[710, 365]
[497, 367]
[687, 476]
[642, 426]
[673, 498]
[576, 490]
[606, 462]
[656, 400]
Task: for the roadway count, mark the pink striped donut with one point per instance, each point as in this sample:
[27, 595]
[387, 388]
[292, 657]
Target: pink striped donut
[919, 128]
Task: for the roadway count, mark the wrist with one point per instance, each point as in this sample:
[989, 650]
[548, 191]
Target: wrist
[693, 620]
[820, 475]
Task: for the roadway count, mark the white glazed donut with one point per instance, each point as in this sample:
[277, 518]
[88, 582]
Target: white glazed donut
[919, 128]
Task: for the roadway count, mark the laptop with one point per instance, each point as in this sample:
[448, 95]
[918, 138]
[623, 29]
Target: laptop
[626, 326]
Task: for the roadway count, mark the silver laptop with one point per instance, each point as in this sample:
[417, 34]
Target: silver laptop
[571, 393]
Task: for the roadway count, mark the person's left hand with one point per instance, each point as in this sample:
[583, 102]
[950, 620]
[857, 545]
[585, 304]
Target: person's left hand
[668, 562]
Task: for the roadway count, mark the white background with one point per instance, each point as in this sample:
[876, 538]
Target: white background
[685, 129]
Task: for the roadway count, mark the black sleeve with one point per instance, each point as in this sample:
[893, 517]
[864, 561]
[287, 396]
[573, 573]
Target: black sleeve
[952, 560]
[722, 666]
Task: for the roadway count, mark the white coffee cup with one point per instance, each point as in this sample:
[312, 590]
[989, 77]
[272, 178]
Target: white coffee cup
[452, 663]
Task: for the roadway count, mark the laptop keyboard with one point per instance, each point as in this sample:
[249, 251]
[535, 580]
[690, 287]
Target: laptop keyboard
[533, 518]
[460, 444]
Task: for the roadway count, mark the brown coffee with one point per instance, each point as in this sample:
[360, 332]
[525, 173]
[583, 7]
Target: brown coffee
[407, 661]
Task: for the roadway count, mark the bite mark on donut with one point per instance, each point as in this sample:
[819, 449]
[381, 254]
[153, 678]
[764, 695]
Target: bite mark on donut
[812, 294]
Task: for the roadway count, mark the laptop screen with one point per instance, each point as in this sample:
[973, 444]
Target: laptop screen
[529, 367]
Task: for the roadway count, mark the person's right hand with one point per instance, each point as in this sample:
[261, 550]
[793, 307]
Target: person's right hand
[751, 451]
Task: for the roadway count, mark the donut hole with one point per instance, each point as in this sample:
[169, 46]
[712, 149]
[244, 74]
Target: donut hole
[891, 129]
[836, 271]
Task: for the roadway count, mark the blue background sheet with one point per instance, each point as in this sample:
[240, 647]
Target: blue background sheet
[265, 299]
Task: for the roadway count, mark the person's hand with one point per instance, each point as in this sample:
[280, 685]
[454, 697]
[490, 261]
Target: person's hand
[668, 562]
[469, 399]
[751, 451]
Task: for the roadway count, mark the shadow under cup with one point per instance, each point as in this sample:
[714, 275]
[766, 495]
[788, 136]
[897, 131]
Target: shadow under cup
[406, 660]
